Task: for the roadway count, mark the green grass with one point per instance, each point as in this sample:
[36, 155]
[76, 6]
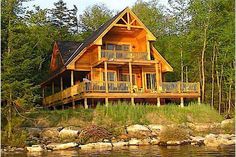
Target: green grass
[126, 114]
[123, 113]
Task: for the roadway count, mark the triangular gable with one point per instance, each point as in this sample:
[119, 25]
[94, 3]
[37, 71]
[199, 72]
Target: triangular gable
[166, 66]
[96, 37]
[56, 59]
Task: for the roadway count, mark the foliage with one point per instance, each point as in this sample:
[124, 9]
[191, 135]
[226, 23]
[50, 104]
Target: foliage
[92, 18]
[174, 133]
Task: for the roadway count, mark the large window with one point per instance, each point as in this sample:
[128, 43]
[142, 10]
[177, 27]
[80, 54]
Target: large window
[116, 47]
[151, 81]
[125, 77]
[111, 76]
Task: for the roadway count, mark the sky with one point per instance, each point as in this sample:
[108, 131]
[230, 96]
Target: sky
[116, 5]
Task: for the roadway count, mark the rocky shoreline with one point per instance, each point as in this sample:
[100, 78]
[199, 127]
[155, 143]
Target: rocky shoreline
[98, 138]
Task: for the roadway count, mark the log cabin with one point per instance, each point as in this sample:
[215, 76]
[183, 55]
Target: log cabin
[117, 62]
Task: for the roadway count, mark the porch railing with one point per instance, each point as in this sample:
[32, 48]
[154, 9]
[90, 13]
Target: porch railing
[180, 87]
[118, 87]
[113, 86]
[110, 54]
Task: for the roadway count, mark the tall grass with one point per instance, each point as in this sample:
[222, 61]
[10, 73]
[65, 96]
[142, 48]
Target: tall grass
[124, 113]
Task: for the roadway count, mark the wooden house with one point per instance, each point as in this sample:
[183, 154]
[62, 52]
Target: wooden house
[117, 62]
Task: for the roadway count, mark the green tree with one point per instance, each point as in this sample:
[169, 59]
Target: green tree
[92, 18]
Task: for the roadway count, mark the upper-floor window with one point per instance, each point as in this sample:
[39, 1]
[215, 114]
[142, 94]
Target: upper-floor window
[116, 47]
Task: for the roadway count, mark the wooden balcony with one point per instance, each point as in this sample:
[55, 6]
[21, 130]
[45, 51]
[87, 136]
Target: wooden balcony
[111, 54]
[97, 89]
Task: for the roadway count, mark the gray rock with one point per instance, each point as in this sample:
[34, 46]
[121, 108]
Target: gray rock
[120, 144]
[61, 146]
[64, 133]
[226, 122]
[50, 133]
[35, 148]
[98, 145]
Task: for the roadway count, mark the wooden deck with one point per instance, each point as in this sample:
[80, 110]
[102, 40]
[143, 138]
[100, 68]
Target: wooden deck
[122, 89]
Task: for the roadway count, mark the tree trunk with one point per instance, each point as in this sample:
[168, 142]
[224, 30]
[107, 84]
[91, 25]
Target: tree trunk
[229, 101]
[212, 76]
[219, 84]
[182, 65]
[202, 62]
[10, 117]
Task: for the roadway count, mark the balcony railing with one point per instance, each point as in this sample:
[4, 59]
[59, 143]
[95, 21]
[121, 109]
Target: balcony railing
[110, 54]
[118, 87]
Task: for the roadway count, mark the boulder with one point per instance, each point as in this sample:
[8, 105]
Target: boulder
[138, 131]
[34, 148]
[50, 133]
[120, 144]
[145, 142]
[155, 141]
[59, 146]
[197, 140]
[156, 127]
[212, 140]
[173, 143]
[134, 142]
[34, 132]
[226, 122]
[98, 145]
[137, 128]
[64, 133]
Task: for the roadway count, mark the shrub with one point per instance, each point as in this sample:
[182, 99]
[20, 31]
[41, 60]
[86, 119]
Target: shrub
[174, 133]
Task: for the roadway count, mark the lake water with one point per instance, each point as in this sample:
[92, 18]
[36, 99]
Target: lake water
[170, 151]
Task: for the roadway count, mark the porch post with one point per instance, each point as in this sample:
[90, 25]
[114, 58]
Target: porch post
[157, 77]
[199, 100]
[63, 107]
[105, 67]
[73, 103]
[72, 78]
[52, 87]
[54, 107]
[181, 102]
[61, 83]
[132, 101]
[130, 77]
[106, 102]
[158, 102]
[85, 103]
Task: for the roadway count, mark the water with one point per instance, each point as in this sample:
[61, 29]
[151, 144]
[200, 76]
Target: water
[157, 151]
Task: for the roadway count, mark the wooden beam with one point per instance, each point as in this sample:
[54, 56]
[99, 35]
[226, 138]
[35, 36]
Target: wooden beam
[91, 73]
[148, 50]
[157, 77]
[132, 101]
[85, 103]
[106, 83]
[106, 102]
[72, 78]
[160, 70]
[128, 27]
[199, 100]
[181, 102]
[99, 52]
[143, 80]
[73, 103]
[158, 102]
[130, 77]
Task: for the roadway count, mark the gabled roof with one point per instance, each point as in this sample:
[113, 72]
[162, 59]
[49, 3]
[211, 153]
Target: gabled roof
[93, 37]
[67, 48]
